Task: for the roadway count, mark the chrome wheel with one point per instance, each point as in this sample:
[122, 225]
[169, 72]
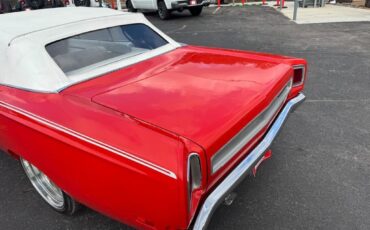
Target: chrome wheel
[50, 192]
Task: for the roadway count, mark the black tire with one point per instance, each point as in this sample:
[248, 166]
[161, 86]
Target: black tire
[52, 3]
[82, 3]
[58, 3]
[36, 4]
[196, 11]
[5, 7]
[163, 12]
[71, 206]
[55, 197]
[130, 7]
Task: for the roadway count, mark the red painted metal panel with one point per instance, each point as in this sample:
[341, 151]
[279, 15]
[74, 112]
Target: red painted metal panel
[119, 143]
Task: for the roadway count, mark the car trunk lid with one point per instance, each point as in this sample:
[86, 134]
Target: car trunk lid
[205, 97]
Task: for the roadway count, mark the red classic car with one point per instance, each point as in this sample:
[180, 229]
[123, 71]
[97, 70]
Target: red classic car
[103, 109]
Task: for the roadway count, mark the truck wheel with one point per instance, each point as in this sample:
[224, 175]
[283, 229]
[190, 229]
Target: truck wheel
[196, 11]
[49, 191]
[130, 7]
[163, 12]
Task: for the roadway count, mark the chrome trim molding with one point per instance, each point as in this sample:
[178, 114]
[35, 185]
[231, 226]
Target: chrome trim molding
[89, 140]
[232, 147]
[241, 170]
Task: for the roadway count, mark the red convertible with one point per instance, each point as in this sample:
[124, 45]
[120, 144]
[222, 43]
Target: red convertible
[103, 109]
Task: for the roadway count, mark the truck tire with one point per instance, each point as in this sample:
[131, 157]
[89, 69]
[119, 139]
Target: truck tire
[130, 7]
[196, 11]
[163, 12]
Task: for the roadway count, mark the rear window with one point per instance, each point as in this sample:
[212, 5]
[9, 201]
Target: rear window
[90, 50]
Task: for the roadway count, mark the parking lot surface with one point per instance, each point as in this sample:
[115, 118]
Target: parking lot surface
[329, 13]
[318, 177]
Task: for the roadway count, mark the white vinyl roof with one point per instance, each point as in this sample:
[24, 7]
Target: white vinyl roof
[24, 61]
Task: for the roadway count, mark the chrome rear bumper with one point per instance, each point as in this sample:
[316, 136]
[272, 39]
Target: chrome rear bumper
[185, 4]
[243, 169]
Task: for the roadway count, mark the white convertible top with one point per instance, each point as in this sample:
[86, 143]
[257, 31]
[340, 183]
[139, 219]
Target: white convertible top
[24, 61]
[21, 23]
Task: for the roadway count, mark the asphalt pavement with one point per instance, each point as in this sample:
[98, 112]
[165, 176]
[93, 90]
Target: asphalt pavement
[319, 175]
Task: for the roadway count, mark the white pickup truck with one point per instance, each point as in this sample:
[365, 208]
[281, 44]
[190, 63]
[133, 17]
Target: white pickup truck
[165, 7]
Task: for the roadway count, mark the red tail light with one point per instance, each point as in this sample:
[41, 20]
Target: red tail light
[194, 181]
[299, 75]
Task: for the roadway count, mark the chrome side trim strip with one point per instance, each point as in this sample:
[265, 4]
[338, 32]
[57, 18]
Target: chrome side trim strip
[89, 140]
[241, 170]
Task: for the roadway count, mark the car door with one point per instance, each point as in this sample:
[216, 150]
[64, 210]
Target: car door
[143, 4]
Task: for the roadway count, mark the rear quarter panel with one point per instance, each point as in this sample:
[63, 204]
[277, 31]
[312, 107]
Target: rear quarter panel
[114, 185]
